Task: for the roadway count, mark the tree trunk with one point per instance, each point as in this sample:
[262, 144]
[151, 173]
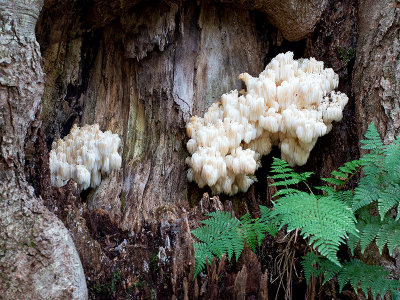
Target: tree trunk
[141, 69]
[38, 259]
[376, 85]
[376, 75]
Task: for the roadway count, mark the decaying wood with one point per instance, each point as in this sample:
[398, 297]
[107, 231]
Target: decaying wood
[264, 286]
[141, 69]
[240, 284]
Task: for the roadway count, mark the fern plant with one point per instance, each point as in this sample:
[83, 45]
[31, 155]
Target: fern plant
[315, 265]
[384, 232]
[377, 190]
[285, 176]
[368, 278]
[224, 235]
[326, 220]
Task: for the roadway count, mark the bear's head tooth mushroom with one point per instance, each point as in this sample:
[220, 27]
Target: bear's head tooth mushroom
[290, 104]
[84, 154]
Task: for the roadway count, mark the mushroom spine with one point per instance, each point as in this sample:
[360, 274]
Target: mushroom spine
[83, 155]
[290, 104]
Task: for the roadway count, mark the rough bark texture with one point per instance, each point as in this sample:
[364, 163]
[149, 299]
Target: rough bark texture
[334, 42]
[38, 259]
[141, 69]
[377, 72]
[377, 85]
[141, 76]
[295, 19]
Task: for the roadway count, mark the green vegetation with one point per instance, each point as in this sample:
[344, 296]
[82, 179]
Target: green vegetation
[154, 263]
[116, 278]
[327, 217]
[346, 54]
[108, 288]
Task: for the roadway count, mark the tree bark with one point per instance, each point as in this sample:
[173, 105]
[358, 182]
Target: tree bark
[376, 75]
[38, 259]
[377, 85]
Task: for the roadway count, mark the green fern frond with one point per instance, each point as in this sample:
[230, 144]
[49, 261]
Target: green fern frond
[334, 181]
[352, 242]
[373, 160]
[202, 254]
[305, 175]
[388, 198]
[286, 181]
[271, 222]
[384, 232]
[368, 278]
[308, 263]
[344, 173]
[389, 235]
[284, 175]
[314, 265]
[351, 166]
[364, 194]
[223, 235]
[253, 231]
[341, 195]
[285, 192]
[219, 235]
[391, 161]
[367, 235]
[381, 183]
[328, 190]
[279, 166]
[325, 221]
[373, 141]
[345, 197]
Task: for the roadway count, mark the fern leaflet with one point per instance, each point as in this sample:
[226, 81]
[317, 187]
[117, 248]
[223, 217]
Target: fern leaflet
[345, 173]
[372, 278]
[326, 221]
[218, 236]
[373, 141]
[284, 175]
[368, 278]
[314, 265]
[223, 235]
[253, 231]
[384, 232]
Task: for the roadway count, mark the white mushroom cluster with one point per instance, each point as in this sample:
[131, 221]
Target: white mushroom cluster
[84, 154]
[289, 105]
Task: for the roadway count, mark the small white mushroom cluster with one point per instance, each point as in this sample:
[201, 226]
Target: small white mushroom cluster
[290, 105]
[84, 154]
